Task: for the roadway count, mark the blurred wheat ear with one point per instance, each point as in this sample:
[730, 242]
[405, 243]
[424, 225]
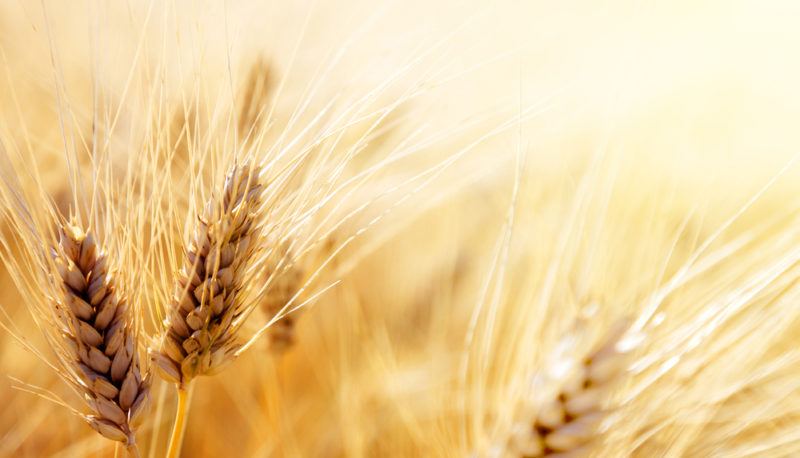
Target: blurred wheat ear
[567, 423]
[253, 99]
[207, 309]
[101, 338]
[284, 278]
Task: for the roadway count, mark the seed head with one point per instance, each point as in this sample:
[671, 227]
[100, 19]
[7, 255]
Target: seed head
[200, 333]
[100, 336]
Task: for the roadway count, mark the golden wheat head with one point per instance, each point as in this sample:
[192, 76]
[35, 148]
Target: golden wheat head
[100, 333]
[204, 315]
[567, 423]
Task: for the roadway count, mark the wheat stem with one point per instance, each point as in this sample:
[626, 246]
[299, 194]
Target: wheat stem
[133, 451]
[179, 428]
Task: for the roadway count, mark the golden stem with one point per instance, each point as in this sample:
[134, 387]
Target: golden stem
[133, 451]
[176, 440]
[162, 395]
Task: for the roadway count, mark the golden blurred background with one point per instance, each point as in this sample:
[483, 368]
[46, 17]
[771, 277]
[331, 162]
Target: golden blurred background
[620, 135]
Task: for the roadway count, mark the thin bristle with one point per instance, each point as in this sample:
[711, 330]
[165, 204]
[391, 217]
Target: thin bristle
[200, 335]
[99, 331]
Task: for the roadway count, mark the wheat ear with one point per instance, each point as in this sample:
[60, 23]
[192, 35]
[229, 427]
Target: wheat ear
[284, 281]
[567, 423]
[205, 313]
[101, 334]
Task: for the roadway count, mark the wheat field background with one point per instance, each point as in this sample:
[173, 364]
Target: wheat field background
[461, 202]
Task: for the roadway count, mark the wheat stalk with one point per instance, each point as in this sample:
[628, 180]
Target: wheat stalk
[566, 423]
[99, 331]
